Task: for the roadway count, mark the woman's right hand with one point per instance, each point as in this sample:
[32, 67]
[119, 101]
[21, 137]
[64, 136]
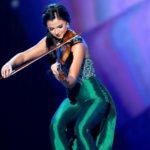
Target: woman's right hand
[6, 70]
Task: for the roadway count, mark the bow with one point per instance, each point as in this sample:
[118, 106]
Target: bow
[34, 60]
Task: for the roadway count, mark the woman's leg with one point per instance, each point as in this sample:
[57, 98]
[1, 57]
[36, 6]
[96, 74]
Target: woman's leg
[61, 118]
[92, 113]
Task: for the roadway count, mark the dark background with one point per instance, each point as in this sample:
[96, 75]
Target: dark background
[29, 98]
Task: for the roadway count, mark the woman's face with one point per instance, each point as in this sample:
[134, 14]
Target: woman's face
[57, 27]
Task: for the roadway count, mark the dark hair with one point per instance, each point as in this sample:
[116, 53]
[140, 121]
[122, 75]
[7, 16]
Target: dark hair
[49, 14]
[60, 10]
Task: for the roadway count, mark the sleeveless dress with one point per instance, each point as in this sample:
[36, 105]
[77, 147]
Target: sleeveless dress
[90, 105]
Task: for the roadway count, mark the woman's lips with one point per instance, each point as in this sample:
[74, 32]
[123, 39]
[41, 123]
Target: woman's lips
[59, 36]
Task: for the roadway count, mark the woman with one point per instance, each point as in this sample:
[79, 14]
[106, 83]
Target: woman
[88, 103]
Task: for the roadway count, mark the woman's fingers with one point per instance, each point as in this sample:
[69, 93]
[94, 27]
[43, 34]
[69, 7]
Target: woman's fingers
[6, 70]
[54, 69]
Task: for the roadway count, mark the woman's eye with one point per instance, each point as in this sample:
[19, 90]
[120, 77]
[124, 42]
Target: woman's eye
[51, 29]
[60, 26]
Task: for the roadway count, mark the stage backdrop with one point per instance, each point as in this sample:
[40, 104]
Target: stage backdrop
[118, 35]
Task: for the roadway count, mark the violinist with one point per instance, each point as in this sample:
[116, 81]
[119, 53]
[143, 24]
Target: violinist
[87, 103]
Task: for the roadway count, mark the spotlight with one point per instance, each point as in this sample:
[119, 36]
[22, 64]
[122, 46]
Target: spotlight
[14, 4]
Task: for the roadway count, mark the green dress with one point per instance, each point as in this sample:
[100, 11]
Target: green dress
[89, 105]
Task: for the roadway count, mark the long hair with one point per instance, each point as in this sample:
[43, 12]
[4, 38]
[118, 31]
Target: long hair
[49, 14]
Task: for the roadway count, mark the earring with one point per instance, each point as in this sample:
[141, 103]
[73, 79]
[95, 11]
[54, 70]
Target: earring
[68, 26]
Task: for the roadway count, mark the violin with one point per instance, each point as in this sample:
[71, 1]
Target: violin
[68, 37]
[61, 61]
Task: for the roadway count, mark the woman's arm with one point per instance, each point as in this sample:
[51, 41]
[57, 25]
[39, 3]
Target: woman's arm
[78, 56]
[31, 53]
[79, 51]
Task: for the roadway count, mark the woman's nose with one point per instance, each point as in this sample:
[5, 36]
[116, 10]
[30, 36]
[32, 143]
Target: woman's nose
[56, 31]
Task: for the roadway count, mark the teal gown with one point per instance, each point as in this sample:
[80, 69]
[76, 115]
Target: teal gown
[89, 105]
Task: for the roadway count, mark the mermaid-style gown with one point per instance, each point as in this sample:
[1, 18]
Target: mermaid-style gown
[89, 104]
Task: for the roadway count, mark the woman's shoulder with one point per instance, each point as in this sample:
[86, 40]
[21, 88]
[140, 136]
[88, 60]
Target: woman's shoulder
[77, 38]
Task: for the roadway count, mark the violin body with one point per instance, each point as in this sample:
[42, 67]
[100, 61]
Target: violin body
[65, 49]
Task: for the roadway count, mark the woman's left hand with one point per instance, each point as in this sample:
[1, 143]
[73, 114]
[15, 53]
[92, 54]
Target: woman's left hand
[59, 75]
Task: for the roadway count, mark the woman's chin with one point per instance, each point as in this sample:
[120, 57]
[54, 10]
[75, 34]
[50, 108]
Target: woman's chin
[59, 37]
